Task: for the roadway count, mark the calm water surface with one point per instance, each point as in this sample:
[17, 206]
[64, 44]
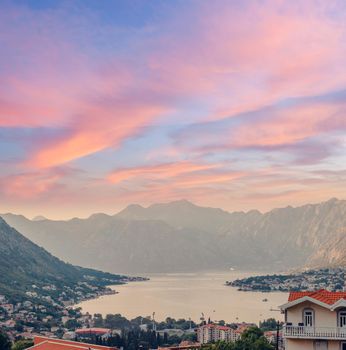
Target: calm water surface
[187, 295]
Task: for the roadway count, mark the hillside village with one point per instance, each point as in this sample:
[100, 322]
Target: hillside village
[28, 319]
[332, 279]
[46, 312]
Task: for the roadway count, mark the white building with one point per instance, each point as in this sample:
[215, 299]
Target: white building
[315, 321]
[211, 333]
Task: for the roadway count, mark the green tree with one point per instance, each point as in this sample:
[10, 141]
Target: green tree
[19, 326]
[189, 337]
[116, 322]
[252, 339]
[269, 324]
[174, 340]
[222, 345]
[22, 344]
[5, 343]
[252, 334]
[165, 338]
[72, 324]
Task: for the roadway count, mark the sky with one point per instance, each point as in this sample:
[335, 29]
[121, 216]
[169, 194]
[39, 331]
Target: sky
[231, 104]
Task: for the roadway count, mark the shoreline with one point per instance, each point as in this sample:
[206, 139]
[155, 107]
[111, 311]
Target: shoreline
[110, 291]
[186, 297]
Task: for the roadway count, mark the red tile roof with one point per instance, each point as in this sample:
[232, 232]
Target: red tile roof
[321, 295]
[93, 330]
[44, 343]
[212, 325]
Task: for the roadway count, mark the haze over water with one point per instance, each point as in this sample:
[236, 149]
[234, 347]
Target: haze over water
[185, 295]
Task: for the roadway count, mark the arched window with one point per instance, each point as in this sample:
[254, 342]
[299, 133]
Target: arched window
[342, 318]
[308, 317]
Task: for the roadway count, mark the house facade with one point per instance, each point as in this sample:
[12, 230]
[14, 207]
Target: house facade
[315, 321]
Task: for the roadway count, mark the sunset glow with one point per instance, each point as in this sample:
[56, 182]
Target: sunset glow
[230, 104]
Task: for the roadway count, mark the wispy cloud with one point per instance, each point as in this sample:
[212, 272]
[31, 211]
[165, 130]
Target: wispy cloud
[232, 89]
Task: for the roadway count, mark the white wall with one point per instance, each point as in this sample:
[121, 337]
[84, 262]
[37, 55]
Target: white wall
[323, 316]
[300, 344]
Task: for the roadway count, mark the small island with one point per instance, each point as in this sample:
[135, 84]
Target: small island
[332, 279]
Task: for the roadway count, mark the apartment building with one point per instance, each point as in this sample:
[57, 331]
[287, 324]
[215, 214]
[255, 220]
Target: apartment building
[211, 333]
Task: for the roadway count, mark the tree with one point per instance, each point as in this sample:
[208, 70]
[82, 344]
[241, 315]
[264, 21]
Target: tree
[252, 339]
[19, 326]
[174, 339]
[116, 322]
[98, 320]
[189, 336]
[165, 338]
[72, 324]
[5, 343]
[252, 334]
[222, 345]
[268, 325]
[115, 340]
[22, 344]
[158, 339]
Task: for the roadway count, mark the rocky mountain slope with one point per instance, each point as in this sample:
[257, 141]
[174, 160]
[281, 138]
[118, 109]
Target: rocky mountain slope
[24, 264]
[180, 236]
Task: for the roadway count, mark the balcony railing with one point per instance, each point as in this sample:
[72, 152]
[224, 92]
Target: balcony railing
[314, 332]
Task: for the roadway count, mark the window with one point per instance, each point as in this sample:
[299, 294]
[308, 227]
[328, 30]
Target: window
[308, 318]
[342, 318]
[321, 345]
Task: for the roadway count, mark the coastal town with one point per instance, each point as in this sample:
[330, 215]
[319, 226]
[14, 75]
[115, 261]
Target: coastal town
[172, 175]
[29, 320]
[46, 313]
[51, 311]
[332, 279]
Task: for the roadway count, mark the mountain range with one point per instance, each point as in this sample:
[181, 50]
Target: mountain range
[24, 267]
[181, 236]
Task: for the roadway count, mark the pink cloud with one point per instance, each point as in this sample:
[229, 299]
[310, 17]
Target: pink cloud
[266, 52]
[285, 127]
[158, 172]
[112, 126]
[28, 186]
[263, 54]
[239, 62]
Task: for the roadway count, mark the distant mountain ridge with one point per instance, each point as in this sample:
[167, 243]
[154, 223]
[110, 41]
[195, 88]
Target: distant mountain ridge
[181, 236]
[39, 218]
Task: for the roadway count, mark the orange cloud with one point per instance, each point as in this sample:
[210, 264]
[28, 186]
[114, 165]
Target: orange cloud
[29, 185]
[103, 127]
[244, 74]
[161, 171]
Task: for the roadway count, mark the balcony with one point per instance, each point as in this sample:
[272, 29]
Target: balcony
[301, 332]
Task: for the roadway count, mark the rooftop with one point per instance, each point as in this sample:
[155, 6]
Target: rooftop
[92, 330]
[321, 295]
[45, 343]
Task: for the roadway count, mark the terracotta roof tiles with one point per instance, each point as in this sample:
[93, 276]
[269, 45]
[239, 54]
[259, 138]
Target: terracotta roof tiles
[321, 295]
